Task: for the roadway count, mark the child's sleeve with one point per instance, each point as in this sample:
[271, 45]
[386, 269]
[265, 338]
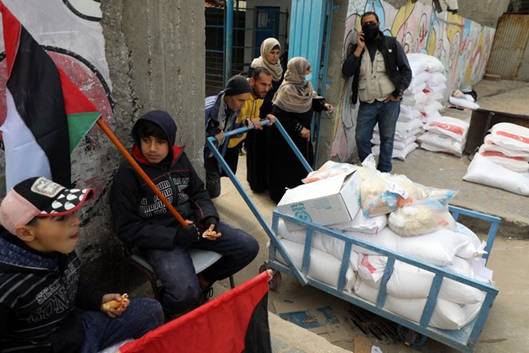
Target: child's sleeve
[129, 225]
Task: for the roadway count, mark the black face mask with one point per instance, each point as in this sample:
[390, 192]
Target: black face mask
[370, 32]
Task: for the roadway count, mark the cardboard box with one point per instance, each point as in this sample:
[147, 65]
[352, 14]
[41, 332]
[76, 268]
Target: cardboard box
[328, 201]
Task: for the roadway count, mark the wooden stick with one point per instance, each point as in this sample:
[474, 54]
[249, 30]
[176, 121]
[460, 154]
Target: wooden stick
[115, 140]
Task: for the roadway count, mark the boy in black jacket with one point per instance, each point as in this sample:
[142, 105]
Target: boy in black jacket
[42, 306]
[142, 220]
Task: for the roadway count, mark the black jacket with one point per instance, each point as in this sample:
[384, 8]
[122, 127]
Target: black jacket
[395, 60]
[140, 218]
[40, 298]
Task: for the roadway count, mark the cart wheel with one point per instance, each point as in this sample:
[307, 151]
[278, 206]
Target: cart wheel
[263, 268]
[275, 282]
[411, 338]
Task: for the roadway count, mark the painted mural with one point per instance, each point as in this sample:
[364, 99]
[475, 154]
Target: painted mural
[71, 33]
[462, 45]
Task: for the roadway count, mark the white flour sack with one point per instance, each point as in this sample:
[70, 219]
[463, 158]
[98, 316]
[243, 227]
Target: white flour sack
[491, 146]
[516, 164]
[398, 153]
[434, 142]
[423, 62]
[323, 266]
[446, 315]
[320, 241]
[511, 136]
[410, 282]
[452, 127]
[363, 224]
[437, 248]
[484, 171]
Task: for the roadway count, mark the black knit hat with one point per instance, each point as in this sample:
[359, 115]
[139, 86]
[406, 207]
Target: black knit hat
[237, 85]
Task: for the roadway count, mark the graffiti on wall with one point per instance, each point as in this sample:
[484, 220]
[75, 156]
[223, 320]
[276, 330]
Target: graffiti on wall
[69, 30]
[462, 45]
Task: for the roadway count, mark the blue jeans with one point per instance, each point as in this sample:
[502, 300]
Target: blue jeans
[174, 268]
[102, 331]
[386, 115]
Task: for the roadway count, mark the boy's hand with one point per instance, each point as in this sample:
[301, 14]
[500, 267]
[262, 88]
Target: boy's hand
[114, 304]
[211, 233]
[272, 118]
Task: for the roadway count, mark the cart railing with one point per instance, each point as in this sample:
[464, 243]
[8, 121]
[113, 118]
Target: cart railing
[211, 142]
[463, 340]
[444, 336]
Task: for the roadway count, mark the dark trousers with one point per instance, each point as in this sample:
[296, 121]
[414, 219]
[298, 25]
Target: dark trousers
[181, 290]
[386, 115]
[214, 172]
[102, 331]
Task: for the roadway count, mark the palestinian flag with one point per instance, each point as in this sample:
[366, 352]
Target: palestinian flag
[235, 322]
[47, 115]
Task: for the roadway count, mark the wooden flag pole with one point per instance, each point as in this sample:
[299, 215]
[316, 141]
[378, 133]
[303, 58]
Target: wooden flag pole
[115, 140]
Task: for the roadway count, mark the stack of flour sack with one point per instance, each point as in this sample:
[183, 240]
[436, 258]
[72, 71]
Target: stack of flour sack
[392, 212]
[421, 103]
[503, 159]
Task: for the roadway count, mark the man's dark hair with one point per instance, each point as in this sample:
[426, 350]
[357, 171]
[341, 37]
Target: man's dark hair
[148, 129]
[256, 72]
[369, 13]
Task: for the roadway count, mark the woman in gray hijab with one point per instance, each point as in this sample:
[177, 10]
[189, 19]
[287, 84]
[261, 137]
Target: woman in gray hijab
[256, 145]
[294, 104]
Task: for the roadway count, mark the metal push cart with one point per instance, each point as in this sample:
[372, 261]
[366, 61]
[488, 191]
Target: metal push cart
[463, 340]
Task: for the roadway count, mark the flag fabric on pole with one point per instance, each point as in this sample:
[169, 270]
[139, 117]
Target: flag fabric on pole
[235, 322]
[47, 115]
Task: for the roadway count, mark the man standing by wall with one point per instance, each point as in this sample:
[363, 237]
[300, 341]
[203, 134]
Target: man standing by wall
[381, 74]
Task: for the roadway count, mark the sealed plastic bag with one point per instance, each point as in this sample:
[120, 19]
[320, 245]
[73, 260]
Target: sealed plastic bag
[422, 217]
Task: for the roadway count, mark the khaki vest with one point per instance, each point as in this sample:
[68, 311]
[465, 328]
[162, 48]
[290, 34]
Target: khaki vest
[374, 82]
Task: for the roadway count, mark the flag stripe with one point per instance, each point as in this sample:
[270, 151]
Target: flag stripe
[24, 157]
[12, 29]
[78, 125]
[36, 88]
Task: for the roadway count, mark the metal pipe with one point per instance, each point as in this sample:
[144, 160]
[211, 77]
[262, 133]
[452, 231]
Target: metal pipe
[115, 140]
[228, 38]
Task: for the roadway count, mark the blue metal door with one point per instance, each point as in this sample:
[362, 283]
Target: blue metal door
[267, 25]
[306, 38]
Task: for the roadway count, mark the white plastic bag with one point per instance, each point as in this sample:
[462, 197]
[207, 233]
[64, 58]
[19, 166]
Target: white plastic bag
[398, 144]
[484, 171]
[422, 217]
[329, 169]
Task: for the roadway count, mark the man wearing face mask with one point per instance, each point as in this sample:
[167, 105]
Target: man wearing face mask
[381, 74]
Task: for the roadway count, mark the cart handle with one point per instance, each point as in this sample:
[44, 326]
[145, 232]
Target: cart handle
[282, 131]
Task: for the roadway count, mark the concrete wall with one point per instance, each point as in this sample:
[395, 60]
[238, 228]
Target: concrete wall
[138, 56]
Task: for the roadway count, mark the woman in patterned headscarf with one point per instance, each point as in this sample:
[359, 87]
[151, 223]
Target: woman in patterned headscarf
[294, 104]
[257, 154]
